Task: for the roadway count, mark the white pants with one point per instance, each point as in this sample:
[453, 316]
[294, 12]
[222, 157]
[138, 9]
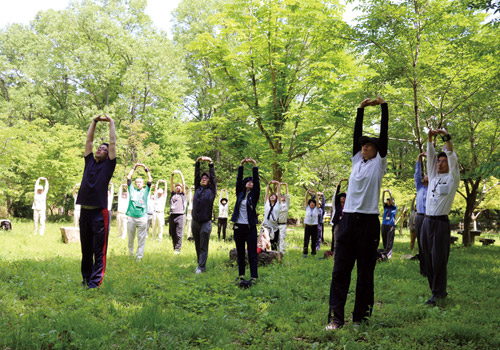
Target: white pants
[122, 225]
[76, 218]
[187, 225]
[158, 223]
[141, 224]
[282, 238]
[39, 216]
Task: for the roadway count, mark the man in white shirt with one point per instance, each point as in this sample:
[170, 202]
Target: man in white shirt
[444, 179]
[359, 231]
[40, 205]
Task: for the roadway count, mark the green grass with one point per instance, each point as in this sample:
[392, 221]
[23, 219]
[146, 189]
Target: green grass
[161, 304]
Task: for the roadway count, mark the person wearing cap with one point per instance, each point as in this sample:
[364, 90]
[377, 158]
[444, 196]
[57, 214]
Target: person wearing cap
[40, 205]
[77, 207]
[283, 216]
[359, 231]
[177, 210]
[245, 219]
[338, 205]
[421, 184]
[310, 224]
[388, 224]
[222, 218]
[137, 211]
[93, 198]
[205, 190]
[444, 179]
[122, 217]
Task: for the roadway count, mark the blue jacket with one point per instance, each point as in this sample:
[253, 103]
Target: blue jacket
[390, 215]
[252, 196]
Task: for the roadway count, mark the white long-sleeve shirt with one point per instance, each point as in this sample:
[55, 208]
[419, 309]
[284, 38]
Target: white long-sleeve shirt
[311, 216]
[442, 187]
[284, 207]
[40, 199]
[271, 217]
[364, 184]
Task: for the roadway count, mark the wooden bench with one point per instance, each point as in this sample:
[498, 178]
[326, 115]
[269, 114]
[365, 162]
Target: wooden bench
[473, 234]
[486, 241]
[453, 239]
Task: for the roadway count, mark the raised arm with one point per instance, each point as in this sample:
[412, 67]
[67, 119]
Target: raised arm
[89, 142]
[431, 154]
[384, 127]
[418, 170]
[112, 136]
[131, 173]
[74, 190]
[146, 169]
[286, 186]
[46, 187]
[358, 126]
[256, 181]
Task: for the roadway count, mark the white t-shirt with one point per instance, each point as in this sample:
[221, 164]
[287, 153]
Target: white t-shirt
[243, 214]
[271, 217]
[364, 184]
[122, 204]
[159, 204]
[311, 216]
[442, 187]
[223, 210]
[40, 200]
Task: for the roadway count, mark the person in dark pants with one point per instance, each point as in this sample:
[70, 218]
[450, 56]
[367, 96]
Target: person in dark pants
[177, 210]
[203, 200]
[93, 198]
[223, 212]
[444, 179]
[421, 184]
[245, 219]
[359, 232]
[389, 224]
[338, 205]
[321, 214]
[310, 224]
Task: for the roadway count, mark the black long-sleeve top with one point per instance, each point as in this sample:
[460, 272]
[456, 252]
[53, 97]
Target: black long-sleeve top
[384, 126]
[204, 196]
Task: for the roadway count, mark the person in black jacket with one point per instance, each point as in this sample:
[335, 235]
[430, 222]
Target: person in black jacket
[338, 205]
[203, 200]
[245, 219]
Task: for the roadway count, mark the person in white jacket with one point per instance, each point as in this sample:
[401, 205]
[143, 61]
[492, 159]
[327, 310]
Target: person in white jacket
[271, 213]
[123, 199]
[283, 216]
[40, 205]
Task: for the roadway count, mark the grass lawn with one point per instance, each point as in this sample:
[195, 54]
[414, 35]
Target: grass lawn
[160, 303]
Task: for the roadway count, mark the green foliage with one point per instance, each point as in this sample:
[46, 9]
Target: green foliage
[161, 304]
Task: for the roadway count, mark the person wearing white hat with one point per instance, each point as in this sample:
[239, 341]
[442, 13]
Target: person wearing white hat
[40, 205]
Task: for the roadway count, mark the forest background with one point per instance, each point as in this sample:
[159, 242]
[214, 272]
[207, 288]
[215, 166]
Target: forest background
[275, 80]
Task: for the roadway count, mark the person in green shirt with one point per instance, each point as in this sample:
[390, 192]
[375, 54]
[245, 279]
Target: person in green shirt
[137, 211]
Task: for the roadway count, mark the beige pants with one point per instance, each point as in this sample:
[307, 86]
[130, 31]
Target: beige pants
[39, 216]
[158, 223]
[122, 225]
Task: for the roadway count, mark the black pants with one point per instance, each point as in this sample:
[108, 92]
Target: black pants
[201, 234]
[419, 219]
[221, 224]
[276, 240]
[436, 251]
[246, 233]
[94, 232]
[310, 233]
[357, 240]
[388, 232]
[176, 229]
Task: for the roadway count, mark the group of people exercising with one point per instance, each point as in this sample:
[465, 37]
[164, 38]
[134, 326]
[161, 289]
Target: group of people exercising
[355, 220]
